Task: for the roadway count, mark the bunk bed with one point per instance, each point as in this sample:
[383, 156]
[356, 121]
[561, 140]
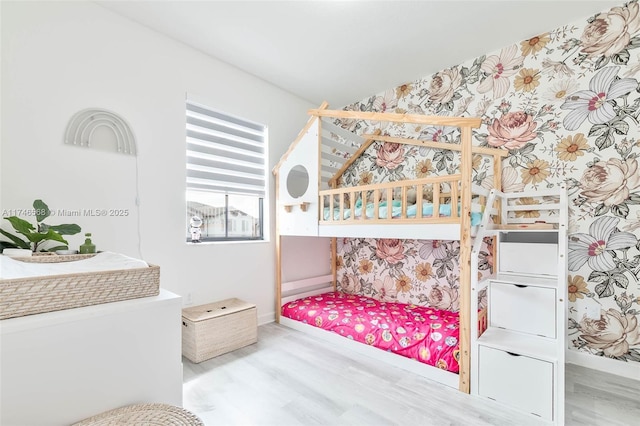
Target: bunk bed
[311, 201]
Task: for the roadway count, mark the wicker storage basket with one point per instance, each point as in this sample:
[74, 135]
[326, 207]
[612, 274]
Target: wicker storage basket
[217, 328]
[35, 295]
[155, 414]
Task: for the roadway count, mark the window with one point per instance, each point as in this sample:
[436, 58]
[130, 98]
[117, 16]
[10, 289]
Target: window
[226, 176]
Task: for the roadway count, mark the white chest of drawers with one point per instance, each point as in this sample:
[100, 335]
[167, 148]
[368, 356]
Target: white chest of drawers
[519, 360]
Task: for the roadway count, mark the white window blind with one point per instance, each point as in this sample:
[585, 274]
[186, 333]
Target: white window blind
[224, 153]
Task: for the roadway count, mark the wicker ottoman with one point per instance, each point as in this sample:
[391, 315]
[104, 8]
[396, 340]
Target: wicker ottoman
[217, 328]
[144, 415]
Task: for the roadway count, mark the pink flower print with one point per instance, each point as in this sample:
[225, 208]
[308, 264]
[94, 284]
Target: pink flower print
[389, 249]
[435, 248]
[593, 104]
[385, 102]
[499, 69]
[386, 289]
[390, 155]
[593, 248]
[610, 32]
[513, 130]
[610, 182]
[613, 333]
[438, 133]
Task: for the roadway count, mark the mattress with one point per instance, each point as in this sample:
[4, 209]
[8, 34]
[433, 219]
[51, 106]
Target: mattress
[396, 211]
[425, 334]
[104, 261]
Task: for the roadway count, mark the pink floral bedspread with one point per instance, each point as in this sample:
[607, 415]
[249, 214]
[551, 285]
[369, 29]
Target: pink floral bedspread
[424, 334]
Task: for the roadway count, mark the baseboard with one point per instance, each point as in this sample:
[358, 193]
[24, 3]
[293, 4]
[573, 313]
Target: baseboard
[266, 318]
[607, 365]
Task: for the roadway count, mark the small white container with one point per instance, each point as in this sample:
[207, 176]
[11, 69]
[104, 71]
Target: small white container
[11, 252]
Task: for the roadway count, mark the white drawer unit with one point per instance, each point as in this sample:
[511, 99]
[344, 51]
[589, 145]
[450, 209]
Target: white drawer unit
[519, 359]
[525, 258]
[523, 308]
[516, 380]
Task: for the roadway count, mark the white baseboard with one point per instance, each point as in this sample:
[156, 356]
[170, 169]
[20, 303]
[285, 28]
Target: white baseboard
[266, 318]
[607, 365]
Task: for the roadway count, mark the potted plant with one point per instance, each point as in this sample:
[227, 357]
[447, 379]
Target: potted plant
[36, 236]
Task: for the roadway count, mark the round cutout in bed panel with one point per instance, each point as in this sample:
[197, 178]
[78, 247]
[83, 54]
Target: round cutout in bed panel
[297, 181]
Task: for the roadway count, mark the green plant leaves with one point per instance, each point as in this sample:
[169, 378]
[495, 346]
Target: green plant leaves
[41, 233]
[20, 225]
[66, 228]
[37, 237]
[16, 242]
[56, 248]
[42, 210]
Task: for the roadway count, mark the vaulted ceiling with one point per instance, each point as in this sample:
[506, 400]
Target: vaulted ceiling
[344, 51]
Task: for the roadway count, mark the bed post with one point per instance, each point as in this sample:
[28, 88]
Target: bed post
[465, 260]
[334, 246]
[278, 254]
[334, 260]
[497, 181]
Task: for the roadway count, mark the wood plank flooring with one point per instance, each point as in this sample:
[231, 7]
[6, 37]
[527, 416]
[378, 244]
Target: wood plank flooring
[288, 378]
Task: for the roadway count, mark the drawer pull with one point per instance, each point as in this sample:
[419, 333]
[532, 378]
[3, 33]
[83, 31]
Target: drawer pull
[521, 285]
[512, 354]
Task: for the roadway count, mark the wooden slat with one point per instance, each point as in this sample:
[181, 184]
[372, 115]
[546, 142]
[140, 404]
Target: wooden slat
[440, 145]
[332, 157]
[328, 142]
[334, 265]
[376, 203]
[352, 205]
[436, 200]
[324, 163]
[319, 157]
[397, 184]
[403, 210]
[454, 200]
[344, 133]
[497, 184]
[419, 194]
[410, 221]
[469, 122]
[531, 207]
[355, 156]
[465, 261]
[278, 255]
[325, 175]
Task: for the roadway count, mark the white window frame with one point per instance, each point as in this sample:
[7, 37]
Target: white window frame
[227, 155]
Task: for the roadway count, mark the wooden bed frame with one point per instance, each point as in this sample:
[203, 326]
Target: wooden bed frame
[294, 290]
[306, 212]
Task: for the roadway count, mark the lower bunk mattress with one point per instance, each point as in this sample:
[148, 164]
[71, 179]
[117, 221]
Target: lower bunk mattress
[425, 334]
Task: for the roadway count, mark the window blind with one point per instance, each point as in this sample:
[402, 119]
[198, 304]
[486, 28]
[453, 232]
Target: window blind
[224, 153]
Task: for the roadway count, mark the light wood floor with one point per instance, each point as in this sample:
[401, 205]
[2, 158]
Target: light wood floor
[287, 378]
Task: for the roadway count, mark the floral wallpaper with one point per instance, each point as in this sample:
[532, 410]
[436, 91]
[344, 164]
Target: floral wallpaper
[566, 105]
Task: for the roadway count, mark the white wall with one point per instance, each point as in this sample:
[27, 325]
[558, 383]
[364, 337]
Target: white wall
[61, 57]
